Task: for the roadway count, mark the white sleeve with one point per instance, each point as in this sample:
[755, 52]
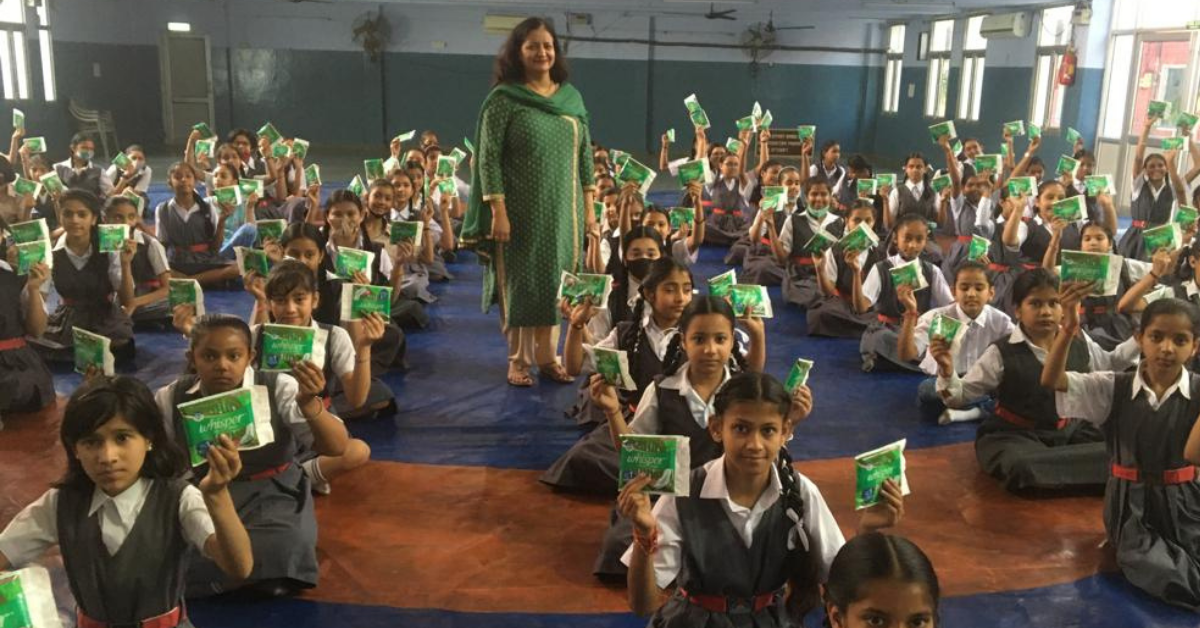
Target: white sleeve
[159, 228]
[871, 285]
[785, 236]
[981, 379]
[601, 324]
[985, 225]
[143, 184]
[1136, 189]
[343, 354]
[33, 531]
[1137, 269]
[829, 266]
[162, 397]
[941, 290]
[921, 332]
[114, 270]
[894, 200]
[1088, 397]
[670, 543]
[679, 251]
[1120, 358]
[194, 518]
[825, 538]
[158, 256]
[286, 390]
[1022, 233]
[645, 420]
[609, 342]
[385, 264]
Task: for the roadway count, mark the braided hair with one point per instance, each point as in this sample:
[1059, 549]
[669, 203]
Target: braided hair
[631, 338]
[676, 357]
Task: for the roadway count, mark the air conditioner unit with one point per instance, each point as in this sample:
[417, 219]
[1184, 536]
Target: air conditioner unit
[501, 24]
[1005, 26]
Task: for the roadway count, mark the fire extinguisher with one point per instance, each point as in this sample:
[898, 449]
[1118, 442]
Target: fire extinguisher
[1066, 68]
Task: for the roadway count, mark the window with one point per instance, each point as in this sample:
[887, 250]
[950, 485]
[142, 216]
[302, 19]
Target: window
[895, 62]
[938, 83]
[17, 32]
[970, 84]
[1054, 33]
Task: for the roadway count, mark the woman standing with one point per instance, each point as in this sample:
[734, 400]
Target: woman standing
[529, 193]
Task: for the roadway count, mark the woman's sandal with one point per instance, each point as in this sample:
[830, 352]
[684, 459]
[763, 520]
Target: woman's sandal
[520, 379]
[556, 372]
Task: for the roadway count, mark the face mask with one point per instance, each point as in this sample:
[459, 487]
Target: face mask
[819, 214]
[639, 268]
[85, 155]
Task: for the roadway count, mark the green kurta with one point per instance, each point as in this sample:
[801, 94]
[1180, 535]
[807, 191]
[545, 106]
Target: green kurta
[534, 152]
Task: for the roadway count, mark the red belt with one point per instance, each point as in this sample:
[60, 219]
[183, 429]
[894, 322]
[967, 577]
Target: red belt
[170, 619]
[1021, 421]
[12, 343]
[884, 318]
[964, 238]
[1097, 309]
[1182, 475]
[269, 473]
[108, 298]
[198, 248]
[766, 241]
[1138, 224]
[151, 283]
[722, 604]
[717, 211]
[803, 261]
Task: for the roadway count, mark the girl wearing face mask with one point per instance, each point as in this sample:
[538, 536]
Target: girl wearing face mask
[78, 171]
[790, 244]
[640, 247]
[136, 176]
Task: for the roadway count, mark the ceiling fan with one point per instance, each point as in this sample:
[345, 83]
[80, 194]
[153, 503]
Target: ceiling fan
[714, 14]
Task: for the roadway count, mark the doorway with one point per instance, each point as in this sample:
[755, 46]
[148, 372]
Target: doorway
[185, 65]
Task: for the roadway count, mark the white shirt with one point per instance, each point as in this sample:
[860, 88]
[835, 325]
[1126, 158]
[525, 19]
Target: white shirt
[829, 266]
[1089, 396]
[35, 529]
[141, 179]
[983, 225]
[991, 325]
[435, 227]
[984, 376]
[156, 252]
[602, 323]
[915, 189]
[785, 235]
[341, 348]
[873, 284]
[646, 419]
[66, 168]
[385, 260]
[659, 338]
[1141, 183]
[681, 254]
[79, 261]
[171, 206]
[824, 537]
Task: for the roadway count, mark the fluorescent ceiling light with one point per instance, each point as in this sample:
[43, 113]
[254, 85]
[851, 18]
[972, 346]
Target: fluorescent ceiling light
[179, 27]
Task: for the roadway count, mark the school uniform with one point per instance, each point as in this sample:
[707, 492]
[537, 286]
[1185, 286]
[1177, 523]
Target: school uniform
[981, 332]
[730, 213]
[621, 302]
[1098, 316]
[148, 263]
[669, 406]
[271, 494]
[1148, 208]
[717, 551]
[44, 207]
[1151, 498]
[188, 236]
[435, 271]
[1024, 443]
[105, 541]
[800, 286]
[967, 220]
[881, 335]
[237, 232]
[25, 383]
[139, 181]
[832, 315]
[610, 242]
[408, 306]
[87, 286]
[833, 177]
[89, 177]
[759, 265]
[1004, 266]
[387, 352]
[648, 348]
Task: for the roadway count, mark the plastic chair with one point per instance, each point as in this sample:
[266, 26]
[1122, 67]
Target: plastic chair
[97, 123]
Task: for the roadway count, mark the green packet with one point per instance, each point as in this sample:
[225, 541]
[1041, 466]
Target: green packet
[92, 350]
[744, 124]
[867, 187]
[27, 599]
[1097, 184]
[909, 274]
[312, 174]
[230, 195]
[1066, 165]
[410, 230]
[576, 287]
[408, 135]
[244, 415]
[357, 186]
[285, 345]
[34, 145]
[471, 146]
[1161, 292]
[373, 169]
[766, 120]
[251, 186]
[873, 468]
[1158, 109]
[613, 366]
[29, 231]
[1070, 209]
[820, 242]
[269, 131]
[186, 292]
[978, 248]
[205, 148]
[733, 146]
[269, 229]
[722, 285]
[113, 237]
[350, 261]
[936, 131]
[1185, 215]
[1004, 150]
[23, 186]
[805, 132]
[445, 166]
[771, 195]
[941, 183]
[204, 130]
[886, 179]
[1015, 128]
[300, 148]
[1073, 136]
[696, 170]
[598, 209]
[665, 459]
[671, 135]
[1185, 120]
[1167, 236]
[458, 156]
[750, 300]
[1022, 186]
[1034, 130]
[798, 376]
[987, 162]
[681, 216]
[946, 328]
[1101, 269]
[134, 198]
[636, 172]
[18, 119]
[53, 183]
[121, 161]
[249, 259]
[358, 300]
[30, 253]
[860, 238]
[696, 112]
[280, 150]
[1172, 143]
